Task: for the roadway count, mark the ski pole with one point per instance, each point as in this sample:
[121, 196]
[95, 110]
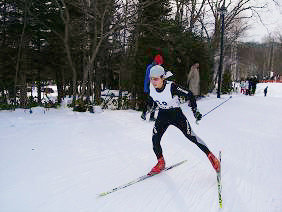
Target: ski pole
[215, 107]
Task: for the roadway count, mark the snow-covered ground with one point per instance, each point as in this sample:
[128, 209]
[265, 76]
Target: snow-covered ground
[273, 90]
[59, 160]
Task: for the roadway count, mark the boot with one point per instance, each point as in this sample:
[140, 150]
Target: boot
[214, 161]
[158, 167]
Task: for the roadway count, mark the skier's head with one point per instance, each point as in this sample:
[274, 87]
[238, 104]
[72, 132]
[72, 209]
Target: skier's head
[157, 74]
[159, 59]
[157, 71]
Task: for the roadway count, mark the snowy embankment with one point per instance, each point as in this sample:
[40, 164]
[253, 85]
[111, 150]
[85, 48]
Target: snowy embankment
[274, 89]
[58, 161]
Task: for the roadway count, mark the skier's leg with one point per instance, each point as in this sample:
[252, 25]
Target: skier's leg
[158, 131]
[183, 124]
[160, 127]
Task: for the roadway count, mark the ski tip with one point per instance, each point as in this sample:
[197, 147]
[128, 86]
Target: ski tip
[182, 162]
[102, 194]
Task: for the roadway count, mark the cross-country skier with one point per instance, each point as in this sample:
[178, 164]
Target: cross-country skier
[165, 94]
[158, 60]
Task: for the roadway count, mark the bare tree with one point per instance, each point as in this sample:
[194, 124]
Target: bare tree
[21, 47]
[236, 13]
[196, 10]
[65, 17]
[188, 12]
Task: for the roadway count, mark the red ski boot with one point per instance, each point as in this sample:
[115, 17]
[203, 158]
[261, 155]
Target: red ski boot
[214, 161]
[158, 168]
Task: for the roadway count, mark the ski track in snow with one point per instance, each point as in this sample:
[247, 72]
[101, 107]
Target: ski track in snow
[59, 161]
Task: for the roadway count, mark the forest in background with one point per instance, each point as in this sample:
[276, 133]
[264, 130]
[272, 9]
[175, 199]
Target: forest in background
[85, 46]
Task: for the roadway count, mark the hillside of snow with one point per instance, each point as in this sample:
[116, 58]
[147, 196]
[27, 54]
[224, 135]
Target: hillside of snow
[273, 90]
[60, 160]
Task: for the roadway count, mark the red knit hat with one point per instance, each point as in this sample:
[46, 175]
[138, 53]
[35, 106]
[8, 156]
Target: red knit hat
[159, 59]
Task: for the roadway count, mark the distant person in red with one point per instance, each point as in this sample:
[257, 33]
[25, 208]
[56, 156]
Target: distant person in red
[158, 60]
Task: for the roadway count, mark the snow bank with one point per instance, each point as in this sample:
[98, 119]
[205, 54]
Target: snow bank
[274, 89]
[59, 160]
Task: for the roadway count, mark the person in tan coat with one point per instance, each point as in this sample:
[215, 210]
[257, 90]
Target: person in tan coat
[193, 80]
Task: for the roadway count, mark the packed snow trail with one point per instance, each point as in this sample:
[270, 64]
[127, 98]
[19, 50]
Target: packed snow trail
[59, 161]
[139, 179]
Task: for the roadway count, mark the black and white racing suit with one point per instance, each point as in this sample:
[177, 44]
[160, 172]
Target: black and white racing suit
[170, 113]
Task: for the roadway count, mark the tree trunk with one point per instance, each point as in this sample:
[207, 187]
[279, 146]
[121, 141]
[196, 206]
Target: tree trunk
[4, 23]
[19, 55]
[23, 92]
[65, 16]
[59, 85]
[38, 86]
[86, 46]
[97, 87]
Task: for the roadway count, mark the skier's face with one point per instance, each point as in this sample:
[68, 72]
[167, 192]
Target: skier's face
[157, 82]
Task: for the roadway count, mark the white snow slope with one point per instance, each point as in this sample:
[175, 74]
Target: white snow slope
[58, 161]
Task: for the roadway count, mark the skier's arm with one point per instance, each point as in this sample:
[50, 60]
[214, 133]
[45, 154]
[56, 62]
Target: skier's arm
[151, 104]
[177, 90]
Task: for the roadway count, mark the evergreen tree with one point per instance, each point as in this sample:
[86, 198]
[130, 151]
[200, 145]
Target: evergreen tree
[226, 82]
[153, 29]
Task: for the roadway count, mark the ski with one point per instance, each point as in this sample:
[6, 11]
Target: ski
[144, 177]
[219, 185]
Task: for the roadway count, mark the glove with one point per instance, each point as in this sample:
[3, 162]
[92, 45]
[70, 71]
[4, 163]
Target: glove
[197, 115]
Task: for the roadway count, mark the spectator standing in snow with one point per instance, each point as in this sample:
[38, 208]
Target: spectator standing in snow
[158, 60]
[166, 95]
[265, 91]
[193, 80]
[246, 87]
[242, 85]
